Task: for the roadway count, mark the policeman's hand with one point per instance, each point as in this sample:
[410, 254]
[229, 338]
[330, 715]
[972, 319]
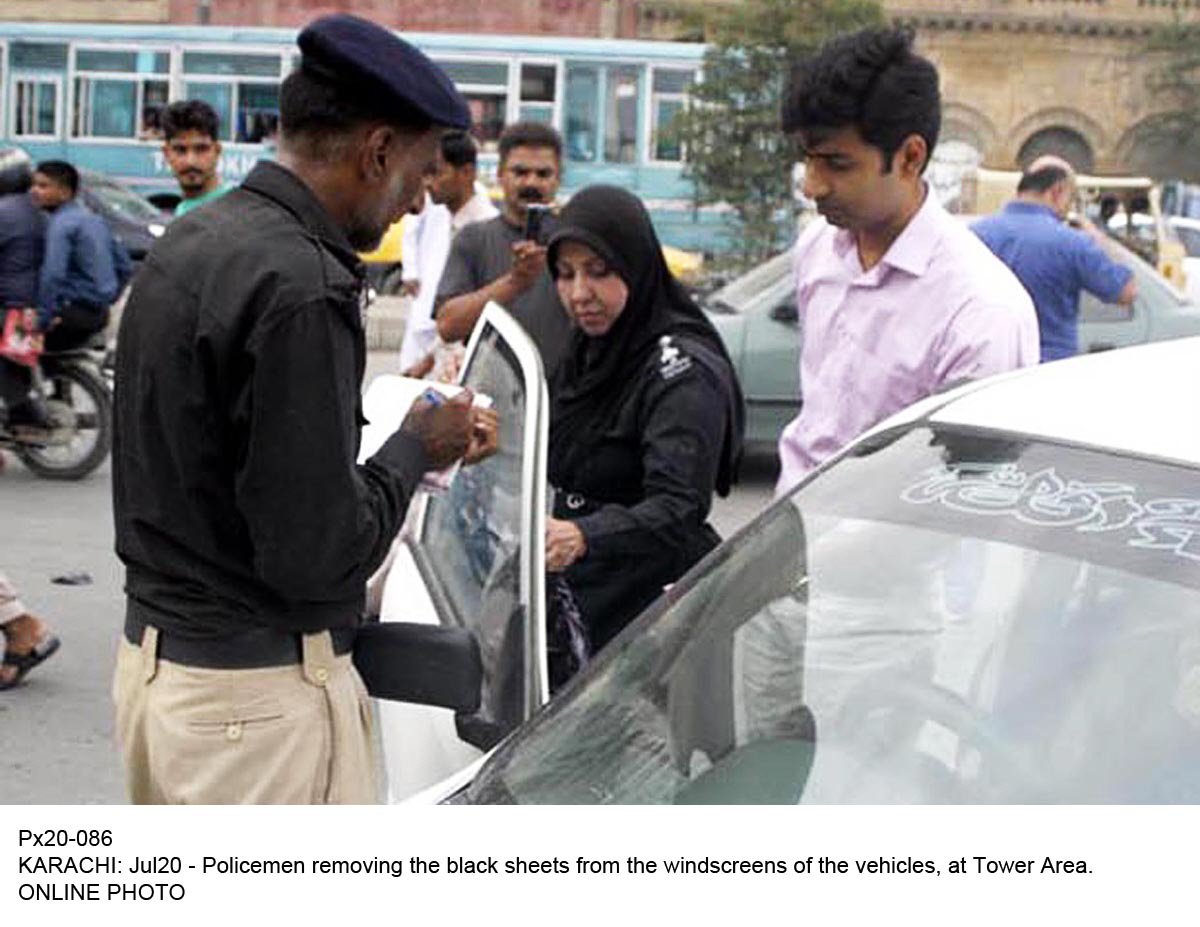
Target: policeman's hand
[410, 287]
[529, 263]
[485, 435]
[565, 544]
[444, 429]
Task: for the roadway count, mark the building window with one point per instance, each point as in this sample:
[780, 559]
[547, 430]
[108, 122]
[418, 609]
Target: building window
[484, 85]
[248, 107]
[120, 94]
[583, 90]
[621, 116]
[539, 83]
[668, 97]
[35, 107]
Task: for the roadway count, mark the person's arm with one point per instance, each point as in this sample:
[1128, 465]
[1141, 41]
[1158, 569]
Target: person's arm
[457, 314]
[318, 522]
[682, 441]
[1103, 277]
[96, 258]
[54, 270]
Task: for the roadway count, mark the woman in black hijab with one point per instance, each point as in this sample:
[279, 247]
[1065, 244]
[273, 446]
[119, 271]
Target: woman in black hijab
[646, 416]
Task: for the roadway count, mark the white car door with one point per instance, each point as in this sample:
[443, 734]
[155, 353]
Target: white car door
[473, 557]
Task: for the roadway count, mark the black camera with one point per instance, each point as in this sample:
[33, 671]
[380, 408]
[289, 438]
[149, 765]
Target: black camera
[534, 217]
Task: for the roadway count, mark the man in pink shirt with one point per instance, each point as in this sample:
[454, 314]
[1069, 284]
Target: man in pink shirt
[897, 299]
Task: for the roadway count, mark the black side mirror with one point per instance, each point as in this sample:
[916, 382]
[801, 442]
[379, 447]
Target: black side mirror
[786, 312]
[421, 663]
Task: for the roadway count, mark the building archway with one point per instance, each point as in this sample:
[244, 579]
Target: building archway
[1153, 147]
[1057, 130]
[1061, 141]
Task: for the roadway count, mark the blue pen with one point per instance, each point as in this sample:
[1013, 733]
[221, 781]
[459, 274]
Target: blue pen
[432, 396]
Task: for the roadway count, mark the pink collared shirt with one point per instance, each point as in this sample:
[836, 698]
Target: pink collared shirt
[938, 308]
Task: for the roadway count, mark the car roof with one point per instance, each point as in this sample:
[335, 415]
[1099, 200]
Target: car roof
[1136, 400]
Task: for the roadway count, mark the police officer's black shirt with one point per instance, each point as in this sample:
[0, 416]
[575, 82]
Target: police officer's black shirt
[641, 492]
[237, 411]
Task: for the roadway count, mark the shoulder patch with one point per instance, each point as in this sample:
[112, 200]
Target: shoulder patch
[671, 361]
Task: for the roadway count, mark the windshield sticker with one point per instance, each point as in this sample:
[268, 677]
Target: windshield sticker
[1045, 499]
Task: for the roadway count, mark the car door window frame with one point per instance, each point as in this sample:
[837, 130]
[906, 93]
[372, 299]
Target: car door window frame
[532, 588]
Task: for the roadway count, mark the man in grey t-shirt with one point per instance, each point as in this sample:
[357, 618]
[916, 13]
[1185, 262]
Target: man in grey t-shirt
[493, 261]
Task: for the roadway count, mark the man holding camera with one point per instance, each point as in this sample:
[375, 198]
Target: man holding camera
[504, 259]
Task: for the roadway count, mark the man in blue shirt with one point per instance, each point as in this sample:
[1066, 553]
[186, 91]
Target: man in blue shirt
[1053, 261]
[22, 237]
[84, 267]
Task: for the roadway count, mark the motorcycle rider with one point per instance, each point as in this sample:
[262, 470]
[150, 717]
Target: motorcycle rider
[22, 238]
[84, 268]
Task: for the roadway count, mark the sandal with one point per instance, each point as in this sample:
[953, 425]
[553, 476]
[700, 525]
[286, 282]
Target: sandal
[24, 662]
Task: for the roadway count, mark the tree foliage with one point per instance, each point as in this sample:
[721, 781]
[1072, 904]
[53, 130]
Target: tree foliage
[1175, 83]
[736, 154]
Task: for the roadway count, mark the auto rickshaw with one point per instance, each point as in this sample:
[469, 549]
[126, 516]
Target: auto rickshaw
[1103, 200]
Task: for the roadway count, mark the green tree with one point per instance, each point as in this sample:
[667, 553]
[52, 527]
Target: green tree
[1175, 82]
[736, 153]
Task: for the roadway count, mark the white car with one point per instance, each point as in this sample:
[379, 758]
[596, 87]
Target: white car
[992, 597]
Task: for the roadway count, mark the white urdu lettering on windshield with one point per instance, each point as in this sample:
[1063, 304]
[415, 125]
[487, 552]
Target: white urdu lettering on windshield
[1045, 499]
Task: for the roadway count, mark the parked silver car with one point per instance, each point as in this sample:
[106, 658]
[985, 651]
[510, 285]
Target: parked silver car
[756, 315]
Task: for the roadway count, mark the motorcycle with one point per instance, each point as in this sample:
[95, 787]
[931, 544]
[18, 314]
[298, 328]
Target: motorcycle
[75, 389]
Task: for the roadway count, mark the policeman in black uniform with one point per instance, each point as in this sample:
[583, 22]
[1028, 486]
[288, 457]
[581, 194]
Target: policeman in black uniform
[647, 416]
[246, 527]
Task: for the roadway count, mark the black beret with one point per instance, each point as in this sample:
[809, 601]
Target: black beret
[359, 54]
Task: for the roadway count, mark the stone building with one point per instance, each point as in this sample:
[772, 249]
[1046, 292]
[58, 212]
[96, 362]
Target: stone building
[1024, 77]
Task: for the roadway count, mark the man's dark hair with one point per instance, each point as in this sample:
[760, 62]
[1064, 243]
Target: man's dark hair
[61, 173]
[190, 115]
[458, 148]
[1041, 180]
[318, 113]
[870, 80]
[530, 135]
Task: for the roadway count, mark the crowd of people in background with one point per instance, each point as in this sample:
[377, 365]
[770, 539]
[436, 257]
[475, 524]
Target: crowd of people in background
[241, 360]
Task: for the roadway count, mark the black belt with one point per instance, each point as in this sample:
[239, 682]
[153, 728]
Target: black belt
[250, 649]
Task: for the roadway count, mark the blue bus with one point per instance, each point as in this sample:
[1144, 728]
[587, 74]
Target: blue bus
[93, 95]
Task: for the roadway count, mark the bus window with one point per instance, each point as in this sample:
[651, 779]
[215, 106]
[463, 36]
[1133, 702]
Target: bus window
[538, 84]
[35, 70]
[621, 112]
[484, 85]
[247, 106]
[119, 94]
[583, 85]
[668, 97]
[35, 110]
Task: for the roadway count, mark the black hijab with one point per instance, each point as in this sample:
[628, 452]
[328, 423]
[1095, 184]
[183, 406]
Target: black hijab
[598, 374]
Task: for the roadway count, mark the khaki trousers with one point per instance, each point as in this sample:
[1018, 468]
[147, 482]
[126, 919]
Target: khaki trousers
[298, 734]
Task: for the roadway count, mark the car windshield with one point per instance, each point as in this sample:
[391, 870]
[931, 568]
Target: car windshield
[944, 616]
[123, 202]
